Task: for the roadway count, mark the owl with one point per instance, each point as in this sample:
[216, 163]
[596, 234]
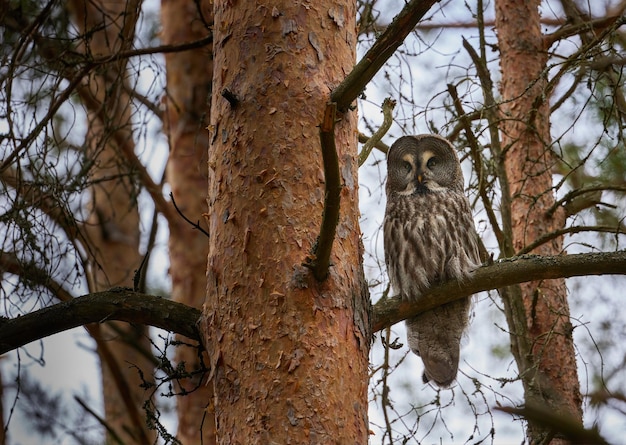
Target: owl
[429, 238]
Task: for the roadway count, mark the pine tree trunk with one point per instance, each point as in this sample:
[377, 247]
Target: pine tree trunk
[113, 225]
[538, 312]
[187, 100]
[289, 354]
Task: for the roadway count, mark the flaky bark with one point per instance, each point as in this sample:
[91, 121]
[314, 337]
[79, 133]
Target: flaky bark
[187, 100]
[113, 225]
[538, 312]
[289, 354]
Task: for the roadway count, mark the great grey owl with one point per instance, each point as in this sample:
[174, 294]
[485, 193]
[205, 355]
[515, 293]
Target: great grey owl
[429, 238]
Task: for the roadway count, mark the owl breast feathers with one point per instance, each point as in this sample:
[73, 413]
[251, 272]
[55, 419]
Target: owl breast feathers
[429, 238]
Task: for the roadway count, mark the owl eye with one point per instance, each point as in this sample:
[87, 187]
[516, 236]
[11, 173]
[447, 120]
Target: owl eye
[406, 166]
[431, 163]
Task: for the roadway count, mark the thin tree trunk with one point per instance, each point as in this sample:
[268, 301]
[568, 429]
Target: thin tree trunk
[289, 354]
[113, 225]
[189, 77]
[538, 312]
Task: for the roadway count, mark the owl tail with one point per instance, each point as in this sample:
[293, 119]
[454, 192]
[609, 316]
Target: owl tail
[436, 337]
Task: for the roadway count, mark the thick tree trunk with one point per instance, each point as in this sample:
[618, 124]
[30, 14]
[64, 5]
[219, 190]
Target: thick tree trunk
[189, 77]
[113, 226]
[538, 312]
[289, 354]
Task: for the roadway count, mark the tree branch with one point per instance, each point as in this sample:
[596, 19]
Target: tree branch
[570, 196]
[115, 304]
[319, 261]
[569, 29]
[567, 231]
[500, 274]
[127, 149]
[37, 196]
[384, 47]
[562, 423]
[387, 108]
[491, 112]
[381, 146]
[53, 50]
[125, 305]
[476, 155]
[195, 225]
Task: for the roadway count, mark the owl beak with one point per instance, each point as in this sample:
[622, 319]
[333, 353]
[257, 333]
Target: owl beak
[420, 178]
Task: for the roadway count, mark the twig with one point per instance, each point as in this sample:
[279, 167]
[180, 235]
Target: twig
[194, 225]
[77, 78]
[581, 191]
[319, 261]
[559, 422]
[567, 231]
[388, 106]
[53, 107]
[140, 272]
[100, 420]
[139, 284]
[478, 164]
[386, 402]
[491, 113]
[128, 151]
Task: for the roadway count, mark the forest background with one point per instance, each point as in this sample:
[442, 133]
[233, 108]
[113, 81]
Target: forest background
[98, 127]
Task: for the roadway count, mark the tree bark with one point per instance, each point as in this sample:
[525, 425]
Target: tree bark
[187, 101]
[538, 312]
[289, 354]
[113, 224]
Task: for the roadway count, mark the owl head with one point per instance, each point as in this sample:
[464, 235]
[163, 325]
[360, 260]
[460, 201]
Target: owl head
[423, 164]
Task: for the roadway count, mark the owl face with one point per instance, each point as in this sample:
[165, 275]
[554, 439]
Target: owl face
[422, 164]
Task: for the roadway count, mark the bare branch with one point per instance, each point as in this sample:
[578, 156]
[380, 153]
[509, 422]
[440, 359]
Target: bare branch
[491, 111]
[53, 107]
[558, 422]
[125, 305]
[384, 47]
[195, 225]
[319, 261]
[387, 108]
[128, 151]
[568, 231]
[593, 190]
[11, 263]
[568, 30]
[478, 164]
[115, 304]
[498, 275]
[380, 146]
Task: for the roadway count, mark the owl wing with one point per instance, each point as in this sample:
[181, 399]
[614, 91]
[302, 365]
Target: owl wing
[405, 253]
